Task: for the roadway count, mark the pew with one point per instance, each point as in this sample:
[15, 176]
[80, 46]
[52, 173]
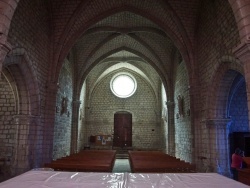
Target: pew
[244, 174]
[85, 161]
[157, 162]
[80, 167]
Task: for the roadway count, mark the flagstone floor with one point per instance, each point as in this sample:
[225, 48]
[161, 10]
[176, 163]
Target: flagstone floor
[121, 165]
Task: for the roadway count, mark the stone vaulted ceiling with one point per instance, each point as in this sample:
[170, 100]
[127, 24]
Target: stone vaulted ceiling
[146, 34]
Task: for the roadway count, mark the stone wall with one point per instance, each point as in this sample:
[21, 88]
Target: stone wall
[29, 38]
[217, 36]
[62, 130]
[183, 131]
[146, 128]
[7, 128]
[29, 29]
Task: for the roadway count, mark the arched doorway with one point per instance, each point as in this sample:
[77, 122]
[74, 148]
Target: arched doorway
[122, 129]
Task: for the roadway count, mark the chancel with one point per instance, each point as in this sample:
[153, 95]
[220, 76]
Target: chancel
[161, 85]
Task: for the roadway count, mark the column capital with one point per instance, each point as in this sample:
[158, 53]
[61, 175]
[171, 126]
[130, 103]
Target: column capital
[217, 122]
[169, 103]
[25, 119]
[6, 47]
[242, 51]
[76, 102]
[53, 86]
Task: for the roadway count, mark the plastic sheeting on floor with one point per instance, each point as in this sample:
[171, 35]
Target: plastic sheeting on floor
[58, 179]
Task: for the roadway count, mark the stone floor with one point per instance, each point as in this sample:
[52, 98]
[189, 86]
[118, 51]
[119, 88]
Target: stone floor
[121, 165]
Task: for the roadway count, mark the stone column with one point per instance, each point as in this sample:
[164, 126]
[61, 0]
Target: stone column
[28, 144]
[21, 162]
[74, 128]
[35, 141]
[4, 50]
[6, 14]
[49, 106]
[219, 146]
[243, 53]
[171, 129]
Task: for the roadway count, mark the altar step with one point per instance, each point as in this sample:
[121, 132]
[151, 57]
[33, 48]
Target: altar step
[121, 154]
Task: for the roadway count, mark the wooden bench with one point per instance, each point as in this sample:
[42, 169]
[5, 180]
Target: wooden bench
[244, 174]
[85, 161]
[157, 162]
[80, 167]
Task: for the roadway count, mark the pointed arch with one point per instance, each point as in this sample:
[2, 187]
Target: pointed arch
[216, 101]
[68, 44]
[27, 89]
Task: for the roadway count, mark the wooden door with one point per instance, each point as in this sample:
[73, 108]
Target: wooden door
[122, 129]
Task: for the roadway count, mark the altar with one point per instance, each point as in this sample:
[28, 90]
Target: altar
[61, 179]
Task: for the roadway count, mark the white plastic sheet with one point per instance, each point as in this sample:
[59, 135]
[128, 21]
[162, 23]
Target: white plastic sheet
[57, 179]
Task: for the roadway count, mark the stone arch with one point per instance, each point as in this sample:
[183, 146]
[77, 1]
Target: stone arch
[131, 69]
[237, 106]
[221, 77]
[7, 11]
[27, 119]
[216, 119]
[165, 78]
[78, 33]
[64, 50]
[8, 110]
[131, 72]
[241, 13]
[142, 104]
[127, 111]
[143, 44]
[20, 66]
[9, 78]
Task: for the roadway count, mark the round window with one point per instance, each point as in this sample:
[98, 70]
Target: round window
[123, 85]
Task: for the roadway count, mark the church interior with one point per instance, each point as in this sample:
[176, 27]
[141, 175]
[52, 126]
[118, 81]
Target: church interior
[124, 75]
